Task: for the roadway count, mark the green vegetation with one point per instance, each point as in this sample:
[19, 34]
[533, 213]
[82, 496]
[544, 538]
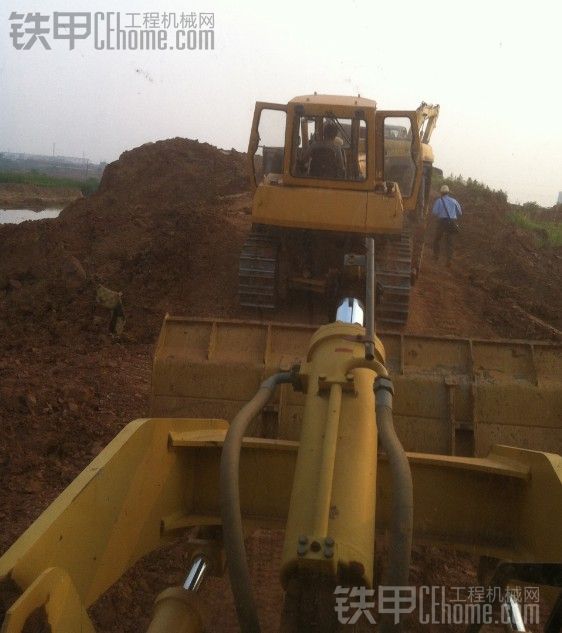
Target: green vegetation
[548, 233]
[86, 186]
[478, 191]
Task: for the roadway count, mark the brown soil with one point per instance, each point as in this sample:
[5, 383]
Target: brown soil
[500, 285]
[18, 196]
[165, 228]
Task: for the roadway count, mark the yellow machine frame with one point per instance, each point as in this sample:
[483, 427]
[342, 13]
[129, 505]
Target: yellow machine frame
[371, 205]
[160, 477]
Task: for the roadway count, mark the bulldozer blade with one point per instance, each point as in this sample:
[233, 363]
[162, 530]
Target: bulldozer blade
[453, 396]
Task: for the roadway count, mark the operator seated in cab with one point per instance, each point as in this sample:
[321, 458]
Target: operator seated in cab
[326, 156]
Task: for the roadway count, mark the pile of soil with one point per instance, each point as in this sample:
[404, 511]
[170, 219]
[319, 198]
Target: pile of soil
[165, 228]
[156, 215]
[502, 283]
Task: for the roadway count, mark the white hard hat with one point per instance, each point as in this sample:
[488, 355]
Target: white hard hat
[444, 189]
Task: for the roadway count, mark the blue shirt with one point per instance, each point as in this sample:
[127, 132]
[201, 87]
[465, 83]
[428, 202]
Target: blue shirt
[453, 208]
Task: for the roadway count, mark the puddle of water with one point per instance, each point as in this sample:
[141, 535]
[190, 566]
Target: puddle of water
[15, 216]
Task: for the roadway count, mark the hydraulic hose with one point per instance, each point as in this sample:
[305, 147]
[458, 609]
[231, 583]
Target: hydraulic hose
[233, 533]
[362, 363]
[401, 526]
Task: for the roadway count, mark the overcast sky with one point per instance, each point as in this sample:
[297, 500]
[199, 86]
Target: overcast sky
[491, 65]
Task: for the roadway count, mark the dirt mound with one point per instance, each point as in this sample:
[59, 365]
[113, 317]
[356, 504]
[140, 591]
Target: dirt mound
[171, 172]
[502, 282]
[158, 208]
[521, 278]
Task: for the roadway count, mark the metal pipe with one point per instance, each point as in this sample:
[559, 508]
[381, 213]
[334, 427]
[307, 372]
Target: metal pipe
[514, 612]
[326, 474]
[196, 574]
[370, 299]
[233, 533]
[402, 511]
[350, 310]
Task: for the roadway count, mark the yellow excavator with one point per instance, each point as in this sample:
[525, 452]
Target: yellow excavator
[327, 171]
[338, 435]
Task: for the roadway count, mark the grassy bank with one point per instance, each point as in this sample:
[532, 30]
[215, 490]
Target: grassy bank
[543, 223]
[86, 186]
[548, 233]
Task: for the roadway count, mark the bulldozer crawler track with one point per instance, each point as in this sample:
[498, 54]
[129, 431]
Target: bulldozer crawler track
[258, 271]
[394, 273]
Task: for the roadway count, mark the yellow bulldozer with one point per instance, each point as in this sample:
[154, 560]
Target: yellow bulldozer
[328, 171]
[339, 435]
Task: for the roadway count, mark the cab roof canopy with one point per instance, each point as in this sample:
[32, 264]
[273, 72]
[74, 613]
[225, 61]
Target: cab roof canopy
[335, 100]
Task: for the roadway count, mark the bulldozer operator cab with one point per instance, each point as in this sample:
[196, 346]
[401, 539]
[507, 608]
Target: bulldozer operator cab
[328, 147]
[337, 142]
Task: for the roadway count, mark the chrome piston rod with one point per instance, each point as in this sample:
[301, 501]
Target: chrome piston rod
[196, 573]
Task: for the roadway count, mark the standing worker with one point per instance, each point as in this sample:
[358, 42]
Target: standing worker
[448, 211]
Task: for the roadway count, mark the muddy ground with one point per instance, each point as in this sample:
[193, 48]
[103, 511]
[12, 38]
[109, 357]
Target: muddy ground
[25, 196]
[165, 228]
